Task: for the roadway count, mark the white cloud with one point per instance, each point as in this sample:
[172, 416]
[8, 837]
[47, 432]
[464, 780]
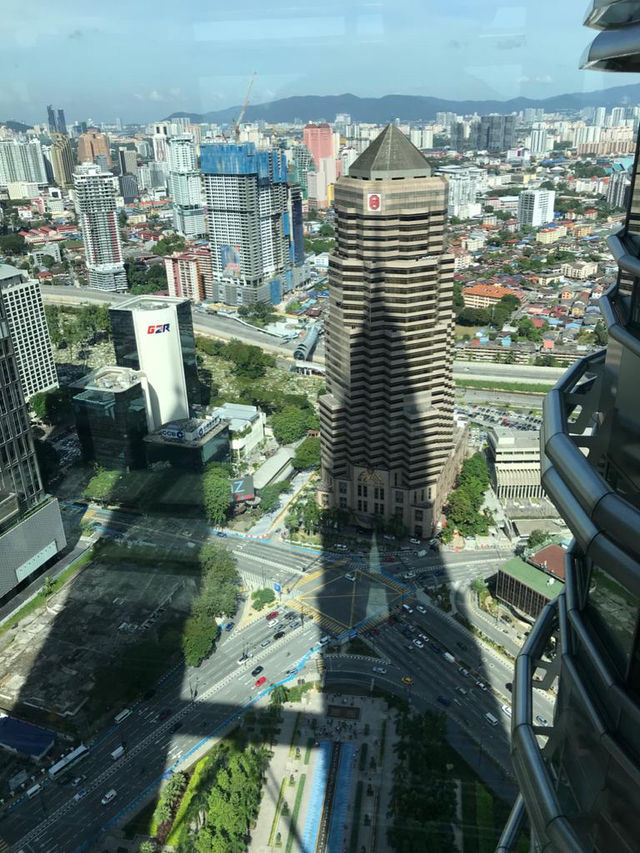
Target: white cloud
[540, 78]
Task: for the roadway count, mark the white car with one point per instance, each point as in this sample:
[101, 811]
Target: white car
[420, 608]
[350, 577]
[409, 575]
[110, 795]
[341, 548]
[380, 669]
[414, 541]
[324, 640]
[418, 643]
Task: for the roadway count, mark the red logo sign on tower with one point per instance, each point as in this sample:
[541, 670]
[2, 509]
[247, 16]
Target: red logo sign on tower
[374, 202]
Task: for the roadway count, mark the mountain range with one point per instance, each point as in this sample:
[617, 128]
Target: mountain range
[408, 107]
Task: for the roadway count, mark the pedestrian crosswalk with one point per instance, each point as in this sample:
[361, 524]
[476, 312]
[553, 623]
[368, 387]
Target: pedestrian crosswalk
[326, 622]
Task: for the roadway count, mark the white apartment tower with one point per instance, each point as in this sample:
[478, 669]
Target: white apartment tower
[185, 188]
[21, 161]
[97, 215]
[539, 143]
[535, 207]
[22, 303]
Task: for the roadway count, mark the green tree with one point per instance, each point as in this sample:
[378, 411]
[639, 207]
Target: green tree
[48, 261]
[537, 538]
[292, 423]
[600, 333]
[216, 493]
[270, 494]
[52, 407]
[199, 636]
[13, 244]
[169, 244]
[122, 219]
[307, 454]
[261, 597]
[279, 695]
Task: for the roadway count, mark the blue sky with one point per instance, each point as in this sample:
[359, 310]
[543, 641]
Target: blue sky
[143, 59]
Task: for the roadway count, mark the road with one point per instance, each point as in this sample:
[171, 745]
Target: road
[227, 328]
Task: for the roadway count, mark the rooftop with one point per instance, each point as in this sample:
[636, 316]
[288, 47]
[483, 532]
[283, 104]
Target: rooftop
[147, 303]
[7, 271]
[551, 558]
[535, 579]
[390, 155]
[110, 378]
[503, 437]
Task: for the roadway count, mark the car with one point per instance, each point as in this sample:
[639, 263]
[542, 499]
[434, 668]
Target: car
[341, 547]
[414, 541]
[420, 608]
[275, 625]
[406, 679]
[75, 782]
[407, 608]
[324, 640]
[462, 691]
[221, 534]
[435, 648]
[257, 671]
[278, 635]
[444, 700]
[295, 624]
[265, 643]
[350, 577]
[409, 575]
[80, 796]
[262, 680]
[229, 626]
[165, 714]
[388, 537]
[481, 685]
[540, 719]
[418, 643]
[273, 615]
[292, 670]
[389, 559]
[243, 658]
[289, 614]
[464, 672]
[110, 795]
[176, 727]
[380, 669]
[461, 645]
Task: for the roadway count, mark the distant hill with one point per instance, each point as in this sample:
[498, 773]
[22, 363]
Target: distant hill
[16, 126]
[409, 107]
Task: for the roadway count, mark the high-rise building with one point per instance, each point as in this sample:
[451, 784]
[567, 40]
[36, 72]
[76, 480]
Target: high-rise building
[61, 123]
[23, 307]
[463, 190]
[21, 161]
[91, 145]
[618, 189]
[302, 165]
[185, 276]
[160, 140]
[154, 334]
[579, 773]
[185, 188]
[618, 116]
[245, 194]
[539, 144]
[319, 140]
[387, 417]
[128, 186]
[61, 160]
[98, 219]
[128, 161]
[51, 119]
[496, 132]
[600, 116]
[31, 531]
[535, 207]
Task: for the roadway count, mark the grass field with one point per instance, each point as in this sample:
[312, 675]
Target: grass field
[491, 385]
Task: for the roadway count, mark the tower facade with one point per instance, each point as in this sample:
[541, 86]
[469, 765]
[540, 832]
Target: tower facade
[246, 200]
[185, 188]
[91, 145]
[62, 160]
[22, 161]
[96, 209]
[387, 417]
[579, 774]
[24, 310]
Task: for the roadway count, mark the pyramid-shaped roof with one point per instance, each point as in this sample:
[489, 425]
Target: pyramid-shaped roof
[390, 155]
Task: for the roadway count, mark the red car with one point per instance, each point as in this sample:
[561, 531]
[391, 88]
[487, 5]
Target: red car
[273, 615]
[262, 680]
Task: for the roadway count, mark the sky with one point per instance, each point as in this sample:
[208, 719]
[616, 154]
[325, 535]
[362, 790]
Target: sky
[140, 60]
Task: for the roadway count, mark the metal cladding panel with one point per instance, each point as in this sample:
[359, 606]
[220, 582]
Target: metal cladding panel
[29, 544]
[160, 355]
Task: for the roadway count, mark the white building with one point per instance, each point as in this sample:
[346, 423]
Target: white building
[539, 143]
[185, 188]
[21, 161]
[535, 207]
[41, 252]
[617, 189]
[160, 140]
[155, 335]
[463, 189]
[24, 310]
[515, 463]
[586, 134]
[95, 198]
[600, 116]
[246, 427]
[347, 157]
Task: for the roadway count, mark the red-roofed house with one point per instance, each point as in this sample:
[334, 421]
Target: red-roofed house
[550, 558]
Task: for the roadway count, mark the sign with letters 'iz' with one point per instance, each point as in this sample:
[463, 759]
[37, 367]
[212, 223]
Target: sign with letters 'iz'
[374, 202]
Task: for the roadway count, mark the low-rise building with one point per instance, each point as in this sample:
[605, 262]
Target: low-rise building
[580, 270]
[277, 468]
[484, 295]
[525, 587]
[190, 444]
[514, 463]
[246, 427]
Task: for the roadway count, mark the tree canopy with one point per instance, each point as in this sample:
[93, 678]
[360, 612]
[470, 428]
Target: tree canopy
[307, 454]
[216, 493]
[465, 502]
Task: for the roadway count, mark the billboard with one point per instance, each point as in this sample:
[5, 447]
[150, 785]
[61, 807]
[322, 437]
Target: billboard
[242, 490]
[230, 260]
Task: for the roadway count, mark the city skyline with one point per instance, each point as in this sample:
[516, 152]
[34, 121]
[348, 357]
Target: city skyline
[455, 50]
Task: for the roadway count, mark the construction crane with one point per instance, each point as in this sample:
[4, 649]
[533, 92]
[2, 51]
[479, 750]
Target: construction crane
[236, 123]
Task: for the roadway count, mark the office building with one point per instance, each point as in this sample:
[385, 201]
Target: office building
[514, 464]
[303, 165]
[526, 588]
[496, 133]
[61, 123]
[128, 187]
[463, 190]
[154, 334]
[21, 160]
[297, 224]
[24, 311]
[618, 189]
[535, 207]
[160, 141]
[128, 161]
[51, 119]
[185, 188]
[91, 146]
[319, 140]
[190, 444]
[387, 416]
[246, 200]
[31, 531]
[61, 160]
[580, 783]
[110, 409]
[98, 220]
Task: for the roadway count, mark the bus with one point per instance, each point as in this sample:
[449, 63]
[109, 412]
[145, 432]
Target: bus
[122, 716]
[72, 758]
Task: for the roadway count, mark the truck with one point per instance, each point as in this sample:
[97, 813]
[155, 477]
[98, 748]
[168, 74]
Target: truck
[449, 657]
[117, 753]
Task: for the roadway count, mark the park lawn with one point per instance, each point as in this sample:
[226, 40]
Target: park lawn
[494, 385]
